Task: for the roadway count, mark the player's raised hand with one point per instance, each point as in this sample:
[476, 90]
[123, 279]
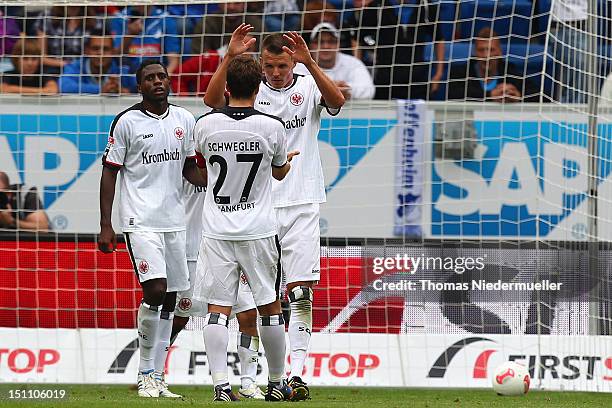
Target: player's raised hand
[300, 51]
[291, 154]
[241, 41]
[107, 240]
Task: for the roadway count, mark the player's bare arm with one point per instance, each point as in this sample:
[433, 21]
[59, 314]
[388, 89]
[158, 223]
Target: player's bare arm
[279, 173]
[239, 43]
[107, 240]
[195, 176]
[330, 92]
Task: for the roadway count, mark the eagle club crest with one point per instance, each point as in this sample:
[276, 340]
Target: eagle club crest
[296, 99]
[179, 133]
[184, 304]
[243, 279]
[143, 267]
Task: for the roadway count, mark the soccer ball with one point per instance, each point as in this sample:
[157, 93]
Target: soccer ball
[511, 378]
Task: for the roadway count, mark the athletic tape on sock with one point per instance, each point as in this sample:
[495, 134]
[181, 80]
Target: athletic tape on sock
[273, 320]
[150, 307]
[166, 315]
[248, 342]
[300, 293]
[216, 318]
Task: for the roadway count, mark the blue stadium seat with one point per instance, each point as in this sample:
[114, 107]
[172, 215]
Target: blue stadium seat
[542, 14]
[528, 58]
[507, 18]
[447, 18]
[531, 55]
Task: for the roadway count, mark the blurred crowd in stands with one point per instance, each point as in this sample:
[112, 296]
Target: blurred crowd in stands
[373, 49]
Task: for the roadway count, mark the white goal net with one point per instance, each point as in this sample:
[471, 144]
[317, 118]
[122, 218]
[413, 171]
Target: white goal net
[468, 179]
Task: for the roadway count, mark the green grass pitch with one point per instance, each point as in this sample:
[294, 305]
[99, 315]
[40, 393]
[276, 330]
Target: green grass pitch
[119, 396]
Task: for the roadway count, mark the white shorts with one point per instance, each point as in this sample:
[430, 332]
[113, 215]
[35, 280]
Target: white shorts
[188, 305]
[225, 260]
[158, 255]
[300, 242]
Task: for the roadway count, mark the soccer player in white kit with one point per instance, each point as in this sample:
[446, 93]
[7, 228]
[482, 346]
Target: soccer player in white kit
[188, 305]
[243, 148]
[151, 145]
[298, 100]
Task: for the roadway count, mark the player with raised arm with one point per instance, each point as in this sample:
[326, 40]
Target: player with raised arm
[151, 145]
[243, 148]
[188, 305]
[298, 100]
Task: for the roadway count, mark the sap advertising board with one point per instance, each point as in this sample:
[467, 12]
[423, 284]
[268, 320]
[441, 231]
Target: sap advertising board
[525, 179]
[502, 190]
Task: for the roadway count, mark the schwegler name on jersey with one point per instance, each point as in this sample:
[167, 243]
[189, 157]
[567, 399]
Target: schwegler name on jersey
[150, 151]
[240, 146]
[299, 106]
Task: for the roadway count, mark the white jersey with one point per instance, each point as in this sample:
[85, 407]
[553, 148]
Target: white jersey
[194, 209]
[151, 151]
[350, 70]
[240, 146]
[299, 106]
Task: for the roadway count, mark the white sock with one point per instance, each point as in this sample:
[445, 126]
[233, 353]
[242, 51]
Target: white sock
[300, 327]
[248, 346]
[216, 337]
[272, 334]
[148, 325]
[163, 341]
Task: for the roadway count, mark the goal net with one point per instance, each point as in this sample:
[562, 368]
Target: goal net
[469, 206]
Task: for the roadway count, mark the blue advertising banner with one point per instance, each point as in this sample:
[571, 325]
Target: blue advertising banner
[526, 179]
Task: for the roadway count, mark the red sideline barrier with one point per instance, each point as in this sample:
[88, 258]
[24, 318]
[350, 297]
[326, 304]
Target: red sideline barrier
[72, 285]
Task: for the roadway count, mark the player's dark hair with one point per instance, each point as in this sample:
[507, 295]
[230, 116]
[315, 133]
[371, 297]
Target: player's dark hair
[145, 64]
[274, 43]
[243, 77]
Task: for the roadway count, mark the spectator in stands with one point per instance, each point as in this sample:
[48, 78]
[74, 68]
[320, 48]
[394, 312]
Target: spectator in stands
[9, 34]
[20, 207]
[398, 31]
[97, 72]
[215, 30]
[62, 32]
[568, 44]
[321, 11]
[27, 76]
[488, 76]
[282, 15]
[193, 75]
[187, 16]
[349, 73]
[146, 32]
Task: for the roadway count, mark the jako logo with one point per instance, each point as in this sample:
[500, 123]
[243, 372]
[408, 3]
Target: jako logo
[160, 157]
[295, 123]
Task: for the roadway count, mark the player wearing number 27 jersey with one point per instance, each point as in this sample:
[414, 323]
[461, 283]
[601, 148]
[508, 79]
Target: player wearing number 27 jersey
[240, 145]
[299, 102]
[243, 149]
